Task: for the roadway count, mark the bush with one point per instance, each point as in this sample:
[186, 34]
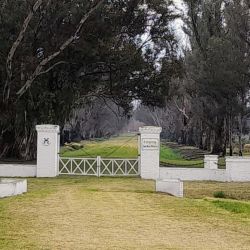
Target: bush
[76, 146]
[247, 148]
[219, 194]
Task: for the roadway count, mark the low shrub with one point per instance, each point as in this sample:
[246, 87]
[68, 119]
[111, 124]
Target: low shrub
[247, 148]
[219, 194]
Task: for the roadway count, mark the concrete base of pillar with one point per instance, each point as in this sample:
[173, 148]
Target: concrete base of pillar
[10, 187]
[170, 186]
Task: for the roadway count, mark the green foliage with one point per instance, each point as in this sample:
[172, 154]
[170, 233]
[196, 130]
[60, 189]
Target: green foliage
[174, 158]
[217, 67]
[219, 194]
[233, 206]
[107, 59]
[170, 154]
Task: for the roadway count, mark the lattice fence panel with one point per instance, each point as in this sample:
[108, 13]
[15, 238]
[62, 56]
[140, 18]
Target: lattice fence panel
[99, 167]
[119, 167]
[78, 166]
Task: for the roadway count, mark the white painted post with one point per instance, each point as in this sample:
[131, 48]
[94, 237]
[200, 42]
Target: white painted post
[139, 153]
[238, 168]
[170, 186]
[48, 143]
[98, 163]
[150, 152]
[211, 161]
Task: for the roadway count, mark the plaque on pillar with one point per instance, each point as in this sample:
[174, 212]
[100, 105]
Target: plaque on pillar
[150, 144]
[150, 152]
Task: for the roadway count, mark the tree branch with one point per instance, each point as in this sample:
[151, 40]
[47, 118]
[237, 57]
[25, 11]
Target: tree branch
[14, 47]
[48, 59]
[183, 111]
[52, 67]
[195, 28]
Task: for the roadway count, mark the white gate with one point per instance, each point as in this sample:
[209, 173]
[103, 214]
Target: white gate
[99, 166]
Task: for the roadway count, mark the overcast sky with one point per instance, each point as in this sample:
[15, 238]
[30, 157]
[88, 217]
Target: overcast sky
[181, 36]
[177, 26]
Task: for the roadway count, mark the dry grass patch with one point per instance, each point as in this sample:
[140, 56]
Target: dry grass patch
[115, 213]
[232, 190]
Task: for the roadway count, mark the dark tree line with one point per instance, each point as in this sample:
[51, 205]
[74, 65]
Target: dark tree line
[56, 56]
[217, 71]
[210, 102]
[98, 119]
[59, 60]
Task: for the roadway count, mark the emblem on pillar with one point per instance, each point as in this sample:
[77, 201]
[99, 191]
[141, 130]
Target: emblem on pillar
[46, 141]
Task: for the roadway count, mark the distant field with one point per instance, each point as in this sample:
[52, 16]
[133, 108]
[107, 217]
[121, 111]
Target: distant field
[125, 146]
[116, 147]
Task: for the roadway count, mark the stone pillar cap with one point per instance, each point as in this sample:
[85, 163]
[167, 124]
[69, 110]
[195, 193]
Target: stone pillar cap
[238, 158]
[211, 156]
[150, 130]
[47, 128]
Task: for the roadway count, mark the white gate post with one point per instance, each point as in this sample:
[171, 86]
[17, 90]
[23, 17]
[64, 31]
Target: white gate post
[98, 163]
[150, 152]
[211, 161]
[48, 144]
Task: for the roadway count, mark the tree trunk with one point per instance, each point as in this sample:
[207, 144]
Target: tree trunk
[225, 137]
[230, 125]
[240, 136]
[18, 143]
[207, 143]
[218, 141]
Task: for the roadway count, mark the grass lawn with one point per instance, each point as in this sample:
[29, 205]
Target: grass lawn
[124, 147]
[122, 213]
[116, 147]
[172, 157]
[203, 189]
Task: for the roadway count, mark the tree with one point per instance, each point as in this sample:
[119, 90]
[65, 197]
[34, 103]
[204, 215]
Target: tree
[55, 54]
[208, 100]
[98, 118]
[217, 67]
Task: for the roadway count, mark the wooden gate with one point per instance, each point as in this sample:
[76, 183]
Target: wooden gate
[99, 166]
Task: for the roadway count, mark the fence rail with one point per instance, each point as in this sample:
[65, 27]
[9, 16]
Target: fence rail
[99, 166]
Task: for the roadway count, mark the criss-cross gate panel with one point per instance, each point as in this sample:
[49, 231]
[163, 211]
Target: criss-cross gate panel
[78, 166]
[119, 167]
[99, 166]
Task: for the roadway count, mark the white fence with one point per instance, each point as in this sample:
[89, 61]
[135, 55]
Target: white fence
[17, 170]
[99, 166]
[237, 169]
[194, 174]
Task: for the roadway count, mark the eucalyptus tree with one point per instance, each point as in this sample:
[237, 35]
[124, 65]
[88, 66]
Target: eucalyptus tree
[56, 55]
[217, 67]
